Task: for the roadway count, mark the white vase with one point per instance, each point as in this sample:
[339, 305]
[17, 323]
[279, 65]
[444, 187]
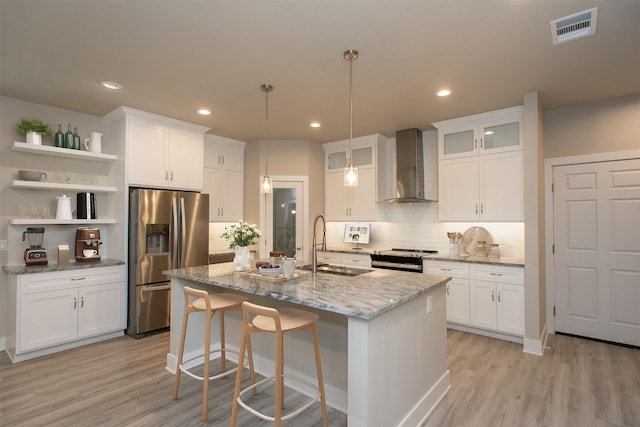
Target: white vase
[242, 260]
[34, 138]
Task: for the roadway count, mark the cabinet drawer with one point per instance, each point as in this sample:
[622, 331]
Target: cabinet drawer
[496, 273]
[55, 280]
[363, 261]
[329, 258]
[453, 269]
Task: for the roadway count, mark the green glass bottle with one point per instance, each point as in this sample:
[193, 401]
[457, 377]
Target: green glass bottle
[76, 139]
[68, 138]
[59, 137]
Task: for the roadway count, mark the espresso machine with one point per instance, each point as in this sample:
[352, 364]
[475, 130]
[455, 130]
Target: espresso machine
[88, 244]
[35, 254]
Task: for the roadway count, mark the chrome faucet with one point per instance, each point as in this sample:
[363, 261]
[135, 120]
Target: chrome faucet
[314, 258]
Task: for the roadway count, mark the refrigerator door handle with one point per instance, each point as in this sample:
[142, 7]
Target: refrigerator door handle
[183, 232]
[174, 222]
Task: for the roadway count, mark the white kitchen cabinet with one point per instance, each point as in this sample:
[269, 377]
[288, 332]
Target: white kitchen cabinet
[225, 189]
[161, 152]
[223, 153]
[480, 167]
[483, 298]
[64, 309]
[457, 288]
[345, 259]
[354, 203]
[497, 298]
[485, 133]
[224, 178]
[488, 188]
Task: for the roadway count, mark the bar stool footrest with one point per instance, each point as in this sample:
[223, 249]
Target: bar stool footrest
[284, 417]
[184, 368]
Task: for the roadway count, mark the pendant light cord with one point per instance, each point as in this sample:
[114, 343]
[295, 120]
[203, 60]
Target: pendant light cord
[350, 108]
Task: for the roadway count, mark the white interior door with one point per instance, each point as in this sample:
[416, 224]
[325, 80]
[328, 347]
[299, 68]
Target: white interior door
[284, 214]
[597, 250]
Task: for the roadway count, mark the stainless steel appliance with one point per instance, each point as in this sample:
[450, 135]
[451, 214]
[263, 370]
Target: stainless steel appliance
[400, 259]
[167, 230]
[35, 254]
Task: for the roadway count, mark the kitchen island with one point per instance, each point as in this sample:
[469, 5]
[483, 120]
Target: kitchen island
[382, 336]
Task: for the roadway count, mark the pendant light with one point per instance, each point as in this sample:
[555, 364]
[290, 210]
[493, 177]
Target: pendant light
[350, 171]
[266, 185]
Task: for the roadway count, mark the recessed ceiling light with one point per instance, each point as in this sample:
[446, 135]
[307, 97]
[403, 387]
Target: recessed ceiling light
[111, 85]
[444, 92]
[204, 112]
[315, 125]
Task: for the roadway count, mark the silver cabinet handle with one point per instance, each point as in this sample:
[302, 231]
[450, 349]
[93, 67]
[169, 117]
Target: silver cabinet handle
[493, 295]
[499, 296]
[496, 274]
[447, 289]
[166, 175]
[81, 302]
[445, 269]
[475, 144]
[76, 279]
[482, 208]
[223, 160]
[75, 302]
[476, 209]
[171, 175]
[481, 143]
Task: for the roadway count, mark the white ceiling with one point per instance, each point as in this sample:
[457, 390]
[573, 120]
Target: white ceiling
[174, 57]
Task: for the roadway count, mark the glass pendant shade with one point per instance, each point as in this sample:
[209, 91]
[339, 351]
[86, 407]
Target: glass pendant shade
[350, 172]
[350, 176]
[266, 186]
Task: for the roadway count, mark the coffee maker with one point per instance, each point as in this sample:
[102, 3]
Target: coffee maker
[35, 254]
[88, 244]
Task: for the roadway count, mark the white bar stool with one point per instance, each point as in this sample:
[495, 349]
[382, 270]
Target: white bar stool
[278, 321]
[210, 304]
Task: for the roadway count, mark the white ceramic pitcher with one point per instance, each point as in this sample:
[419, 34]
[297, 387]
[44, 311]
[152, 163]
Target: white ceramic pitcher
[94, 143]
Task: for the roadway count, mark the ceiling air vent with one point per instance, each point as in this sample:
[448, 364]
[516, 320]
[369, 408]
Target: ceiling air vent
[574, 26]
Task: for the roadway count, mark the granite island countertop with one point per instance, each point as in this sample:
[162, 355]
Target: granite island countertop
[364, 296]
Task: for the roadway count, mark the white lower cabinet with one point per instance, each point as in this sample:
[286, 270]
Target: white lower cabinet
[61, 308]
[483, 296]
[346, 259]
[457, 288]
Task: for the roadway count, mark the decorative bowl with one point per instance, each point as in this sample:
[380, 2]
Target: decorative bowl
[270, 270]
[31, 175]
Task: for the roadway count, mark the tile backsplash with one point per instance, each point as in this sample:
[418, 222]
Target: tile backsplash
[414, 226]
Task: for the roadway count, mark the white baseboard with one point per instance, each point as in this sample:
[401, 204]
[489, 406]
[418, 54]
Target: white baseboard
[536, 347]
[428, 402]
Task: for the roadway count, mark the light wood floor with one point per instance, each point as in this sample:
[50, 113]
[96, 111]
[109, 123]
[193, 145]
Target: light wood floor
[122, 382]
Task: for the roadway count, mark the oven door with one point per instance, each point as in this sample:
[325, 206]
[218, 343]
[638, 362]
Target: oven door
[153, 307]
[400, 263]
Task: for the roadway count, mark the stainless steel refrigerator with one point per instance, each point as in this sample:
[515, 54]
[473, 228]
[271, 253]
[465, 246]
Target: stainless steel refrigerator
[167, 230]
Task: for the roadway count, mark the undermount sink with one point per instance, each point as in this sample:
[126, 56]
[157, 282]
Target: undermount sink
[338, 269]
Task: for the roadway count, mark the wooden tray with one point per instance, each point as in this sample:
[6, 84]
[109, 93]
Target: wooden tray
[255, 274]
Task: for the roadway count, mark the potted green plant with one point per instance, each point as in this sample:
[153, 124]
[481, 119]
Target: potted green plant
[33, 129]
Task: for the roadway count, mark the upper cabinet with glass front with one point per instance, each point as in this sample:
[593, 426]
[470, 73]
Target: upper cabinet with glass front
[492, 132]
[363, 153]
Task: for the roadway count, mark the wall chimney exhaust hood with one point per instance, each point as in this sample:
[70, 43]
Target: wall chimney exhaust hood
[415, 169]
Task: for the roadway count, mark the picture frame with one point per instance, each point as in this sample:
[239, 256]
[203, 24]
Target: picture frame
[357, 232]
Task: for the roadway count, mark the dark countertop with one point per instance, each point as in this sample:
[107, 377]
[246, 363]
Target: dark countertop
[23, 269]
[364, 296]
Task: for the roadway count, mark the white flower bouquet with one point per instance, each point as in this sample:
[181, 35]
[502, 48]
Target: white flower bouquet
[241, 234]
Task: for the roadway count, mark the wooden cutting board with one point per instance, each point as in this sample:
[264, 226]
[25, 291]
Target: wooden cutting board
[471, 237]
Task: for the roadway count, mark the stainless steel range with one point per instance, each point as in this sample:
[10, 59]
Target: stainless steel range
[400, 259]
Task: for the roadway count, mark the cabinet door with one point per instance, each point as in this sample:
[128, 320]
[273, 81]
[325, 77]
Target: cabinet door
[510, 315]
[458, 301]
[101, 309]
[499, 136]
[336, 202]
[458, 189]
[356, 260]
[232, 189]
[332, 258]
[147, 151]
[482, 300]
[458, 143]
[363, 197]
[186, 160]
[47, 318]
[501, 187]
[211, 186]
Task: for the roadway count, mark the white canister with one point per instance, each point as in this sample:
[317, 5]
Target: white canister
[63, 210]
